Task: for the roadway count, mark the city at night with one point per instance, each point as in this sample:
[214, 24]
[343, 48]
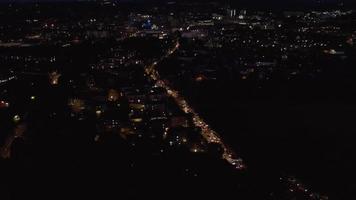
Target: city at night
[177, 99]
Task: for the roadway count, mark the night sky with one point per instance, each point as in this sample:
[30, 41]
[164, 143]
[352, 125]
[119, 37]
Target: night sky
[276, 2]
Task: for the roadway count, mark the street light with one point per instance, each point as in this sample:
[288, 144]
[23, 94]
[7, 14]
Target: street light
[16, 118]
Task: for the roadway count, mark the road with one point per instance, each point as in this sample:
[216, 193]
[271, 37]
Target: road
[7, 79]
[207, 132]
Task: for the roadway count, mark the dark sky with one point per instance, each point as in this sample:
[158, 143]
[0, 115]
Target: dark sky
[257, 1]
[269, 3]
[247, 3]
[260, 1]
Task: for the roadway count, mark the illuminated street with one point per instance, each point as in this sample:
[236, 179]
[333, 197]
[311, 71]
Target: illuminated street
[208, 133]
